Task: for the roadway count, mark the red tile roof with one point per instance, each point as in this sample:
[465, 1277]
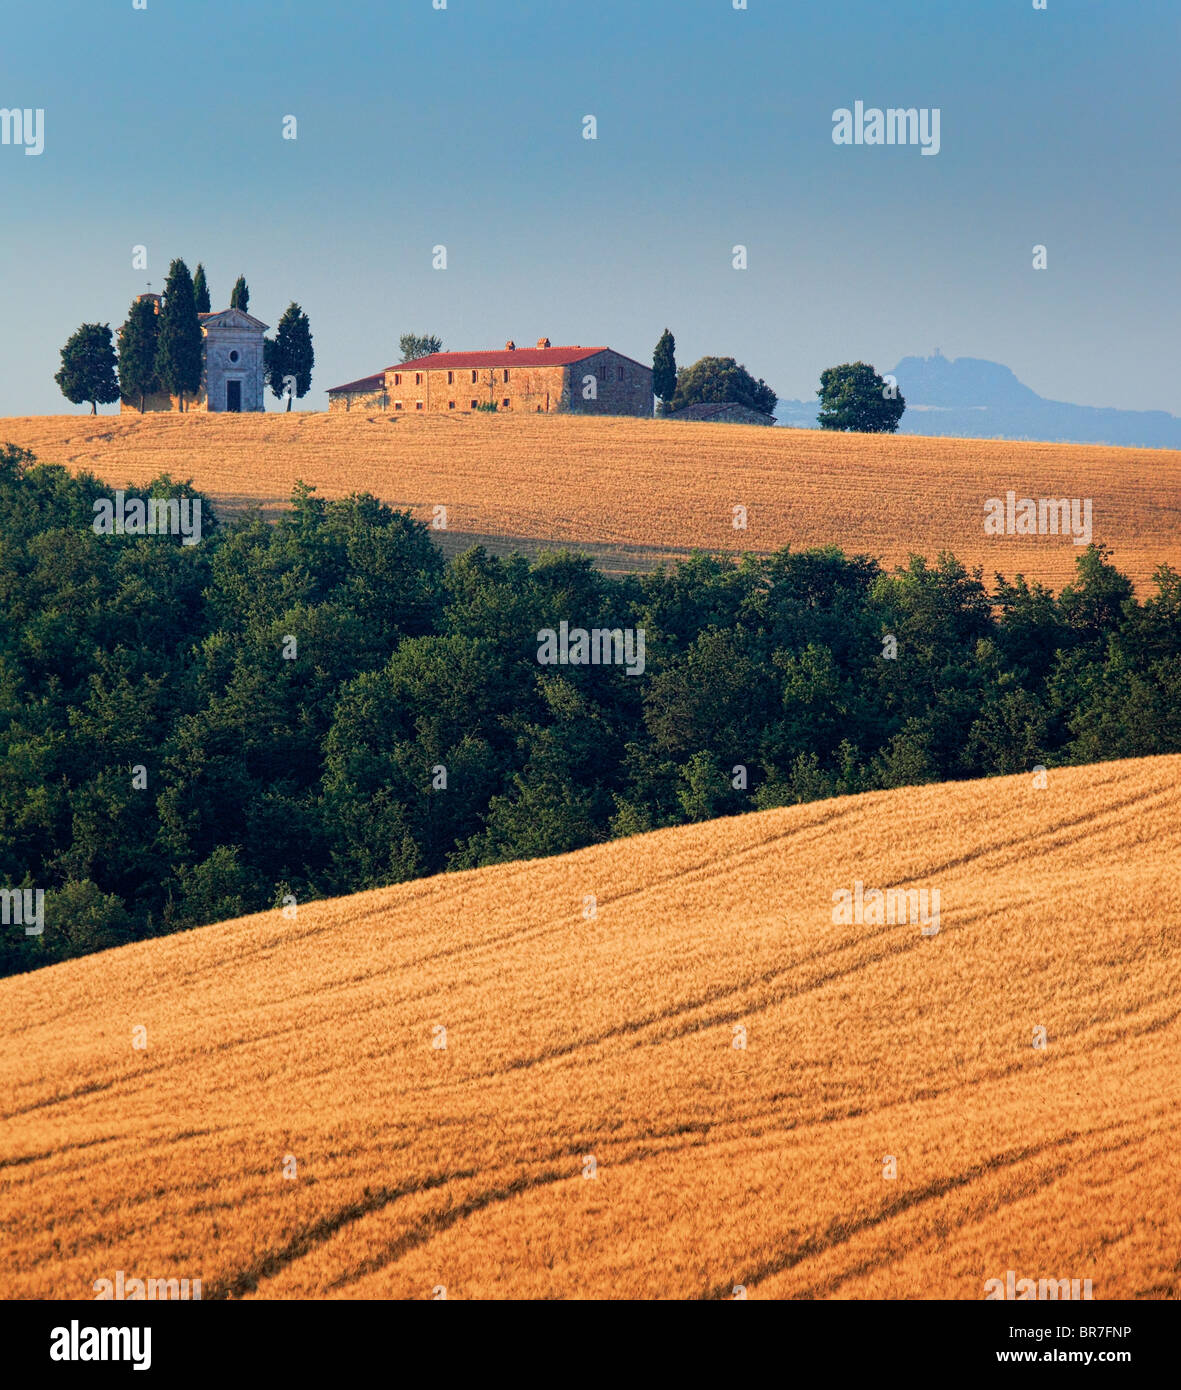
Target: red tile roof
[465, 361]
[502, 357]
[365, 383]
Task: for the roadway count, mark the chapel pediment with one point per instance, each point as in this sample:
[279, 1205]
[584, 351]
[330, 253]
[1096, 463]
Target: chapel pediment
[232, 318]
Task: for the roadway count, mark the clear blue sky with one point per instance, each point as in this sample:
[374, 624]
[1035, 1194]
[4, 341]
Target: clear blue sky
[464, 127]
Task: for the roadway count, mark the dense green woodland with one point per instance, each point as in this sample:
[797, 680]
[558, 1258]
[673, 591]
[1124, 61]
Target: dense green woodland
[319, 775]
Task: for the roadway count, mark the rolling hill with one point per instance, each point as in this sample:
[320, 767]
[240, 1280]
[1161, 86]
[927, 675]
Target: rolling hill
[593, 1006]
[635, 492]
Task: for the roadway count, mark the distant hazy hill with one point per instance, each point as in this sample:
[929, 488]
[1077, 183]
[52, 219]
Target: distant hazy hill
[971, 398]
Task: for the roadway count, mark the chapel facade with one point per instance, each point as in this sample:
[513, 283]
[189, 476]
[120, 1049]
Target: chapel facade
[232, 366]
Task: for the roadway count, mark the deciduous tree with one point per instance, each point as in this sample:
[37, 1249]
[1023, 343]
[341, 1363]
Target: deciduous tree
[415, 345]
[720, 379]
[87, 372]
[854, 397]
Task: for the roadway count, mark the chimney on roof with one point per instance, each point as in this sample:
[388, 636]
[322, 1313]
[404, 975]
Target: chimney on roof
[510, 346]
[543, 342]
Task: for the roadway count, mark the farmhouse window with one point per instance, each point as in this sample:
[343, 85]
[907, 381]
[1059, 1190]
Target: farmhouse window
[506, 374]
[418, 405]
[397, 378]
[397, 405]
[473, 378]
[450, 405]
[450, 378]
[474, 404]
[418, 378]
[504, 403]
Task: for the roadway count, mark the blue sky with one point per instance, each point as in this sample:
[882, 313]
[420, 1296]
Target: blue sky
[463, 127]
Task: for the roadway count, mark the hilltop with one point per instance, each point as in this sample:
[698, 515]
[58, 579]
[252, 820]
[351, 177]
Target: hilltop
[572, 1037]
[636, 492]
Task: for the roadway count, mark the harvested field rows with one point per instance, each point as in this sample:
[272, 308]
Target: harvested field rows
[613, 1037]
[635, 492]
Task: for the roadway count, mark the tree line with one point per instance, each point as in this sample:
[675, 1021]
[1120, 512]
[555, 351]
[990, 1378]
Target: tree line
[852, 396]
[161, 348]
[322, 704]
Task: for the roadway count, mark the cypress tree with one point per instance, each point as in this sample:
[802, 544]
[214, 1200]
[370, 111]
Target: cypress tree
[137, 353]
[201, 290]
[290, 353]
[240, 295]
[87, 372]
[664, 367]
[179, 355]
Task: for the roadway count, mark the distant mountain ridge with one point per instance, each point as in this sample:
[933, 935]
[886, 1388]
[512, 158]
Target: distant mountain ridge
[969, 397]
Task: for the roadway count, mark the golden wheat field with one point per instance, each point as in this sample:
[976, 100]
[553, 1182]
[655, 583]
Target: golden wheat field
[611, 1035]
[633, 492]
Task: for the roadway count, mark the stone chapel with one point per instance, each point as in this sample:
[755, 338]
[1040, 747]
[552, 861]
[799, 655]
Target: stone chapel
[232, 372]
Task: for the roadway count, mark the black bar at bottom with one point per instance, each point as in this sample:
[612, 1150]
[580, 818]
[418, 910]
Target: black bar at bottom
[228, 1341]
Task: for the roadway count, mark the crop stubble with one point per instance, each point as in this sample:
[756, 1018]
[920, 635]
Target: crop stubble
[613, 1037]
[635, 492]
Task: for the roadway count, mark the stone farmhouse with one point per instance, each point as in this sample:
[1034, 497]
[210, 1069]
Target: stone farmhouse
[232, 373]
[541, 380]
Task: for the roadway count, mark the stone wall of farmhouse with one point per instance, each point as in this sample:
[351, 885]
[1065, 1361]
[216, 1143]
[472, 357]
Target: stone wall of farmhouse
[743, 415]
[440, 390]
[359, 400]
[620, 386]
